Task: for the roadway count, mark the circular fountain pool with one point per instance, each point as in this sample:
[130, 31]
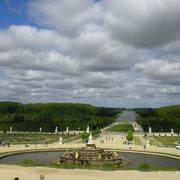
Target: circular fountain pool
[136, 159]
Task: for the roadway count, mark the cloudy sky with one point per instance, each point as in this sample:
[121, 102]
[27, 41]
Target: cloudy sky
[119, 53]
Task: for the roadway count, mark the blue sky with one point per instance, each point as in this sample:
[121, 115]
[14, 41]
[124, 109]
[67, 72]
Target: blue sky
[13, 12]
[57, 51]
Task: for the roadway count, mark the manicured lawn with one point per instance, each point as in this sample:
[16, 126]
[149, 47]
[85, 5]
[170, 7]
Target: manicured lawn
[137, 140]
[169, 141]
[31, 138]
[154, 141]
[121, 128]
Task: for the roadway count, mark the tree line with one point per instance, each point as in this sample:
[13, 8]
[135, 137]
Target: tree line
[161, 119]
[30, 117]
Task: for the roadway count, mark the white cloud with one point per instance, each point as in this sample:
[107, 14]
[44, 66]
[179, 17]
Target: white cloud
[65, 15]
[143, 23]
[27, 37]
[100, 52]
[162, 70]
[140, 23]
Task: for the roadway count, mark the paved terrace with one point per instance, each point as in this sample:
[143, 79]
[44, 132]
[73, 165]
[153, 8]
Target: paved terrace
[116, 143]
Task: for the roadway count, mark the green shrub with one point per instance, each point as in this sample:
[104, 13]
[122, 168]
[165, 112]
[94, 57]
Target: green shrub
[28, 163]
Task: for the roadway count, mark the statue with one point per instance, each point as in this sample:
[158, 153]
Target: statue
[11, 129]
[115, 154]
[56, 130]
[150, 130]
[40, 129]
[90, 139]
[76, 155]
[67, 129]
[60, 140]
[66, 154]
[87, 130]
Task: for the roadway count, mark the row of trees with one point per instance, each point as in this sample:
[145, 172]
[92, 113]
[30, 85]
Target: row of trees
[29, 117]
[161, 119]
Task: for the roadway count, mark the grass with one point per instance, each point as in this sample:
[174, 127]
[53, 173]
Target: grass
[169, 141]
[148, 167]
[104, 167]
[31, 163]
[121, 128]
[32, 138]
[161, 141]
[28, 163]
[137, 140]
[153, 141]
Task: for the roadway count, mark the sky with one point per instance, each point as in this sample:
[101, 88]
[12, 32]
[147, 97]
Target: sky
[116, 53]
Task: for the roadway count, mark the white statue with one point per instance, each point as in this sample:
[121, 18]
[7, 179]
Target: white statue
[56, 130]
[67, 129]
[11, 129]
[150, 130]
[60, 140]
[40, 129]
[90, 141]
[172, 131]
[87, 130]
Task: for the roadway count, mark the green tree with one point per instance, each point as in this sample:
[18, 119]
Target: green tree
[85, 135]
[129, 136]
[49, 115]
[18, 118]
[96, 132]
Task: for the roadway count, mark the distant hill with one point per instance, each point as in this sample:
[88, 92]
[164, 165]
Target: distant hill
[29, 117]
[160, 119]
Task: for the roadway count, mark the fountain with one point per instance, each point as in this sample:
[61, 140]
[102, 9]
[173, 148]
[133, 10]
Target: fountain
[91, 155]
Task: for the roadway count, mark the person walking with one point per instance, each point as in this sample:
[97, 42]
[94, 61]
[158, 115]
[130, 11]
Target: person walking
[144, 147]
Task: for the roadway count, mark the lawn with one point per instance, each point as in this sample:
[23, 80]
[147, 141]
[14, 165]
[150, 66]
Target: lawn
[169, 141]
[31, 138]
[137, 140]
[121, 128]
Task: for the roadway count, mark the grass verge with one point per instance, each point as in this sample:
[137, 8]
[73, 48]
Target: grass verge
[104, 167]
[121, 128]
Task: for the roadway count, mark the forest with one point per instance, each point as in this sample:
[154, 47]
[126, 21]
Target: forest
[161, 119]
[30, 117]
